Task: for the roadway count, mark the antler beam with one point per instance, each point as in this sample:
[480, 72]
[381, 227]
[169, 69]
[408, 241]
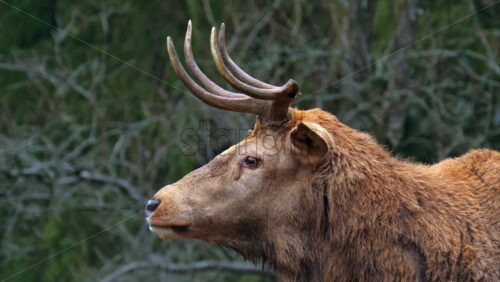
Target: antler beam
[269, 102]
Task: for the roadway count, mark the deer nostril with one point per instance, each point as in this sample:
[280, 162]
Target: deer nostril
[151, 206]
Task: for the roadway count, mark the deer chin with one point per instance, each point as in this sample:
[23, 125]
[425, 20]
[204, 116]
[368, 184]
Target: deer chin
[170, 231]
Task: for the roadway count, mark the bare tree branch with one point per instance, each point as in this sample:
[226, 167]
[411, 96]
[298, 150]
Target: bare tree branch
[198, 266]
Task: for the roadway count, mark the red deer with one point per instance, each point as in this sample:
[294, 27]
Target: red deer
[319, 201]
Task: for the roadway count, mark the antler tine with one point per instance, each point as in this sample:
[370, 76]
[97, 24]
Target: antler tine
[291, 88]
[233, 67]
[195, 70]
[247, 104]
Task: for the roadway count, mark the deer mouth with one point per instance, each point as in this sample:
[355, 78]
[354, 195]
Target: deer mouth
[175, 228]
[170, 231]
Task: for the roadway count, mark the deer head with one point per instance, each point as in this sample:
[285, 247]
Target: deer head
[255, 188]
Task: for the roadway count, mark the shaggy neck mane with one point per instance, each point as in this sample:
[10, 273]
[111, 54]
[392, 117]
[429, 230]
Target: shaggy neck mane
[364, 210]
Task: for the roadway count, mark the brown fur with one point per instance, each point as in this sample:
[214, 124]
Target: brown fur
[354, 213]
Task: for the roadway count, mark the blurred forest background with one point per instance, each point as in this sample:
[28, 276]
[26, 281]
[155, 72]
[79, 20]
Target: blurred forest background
[91, 112]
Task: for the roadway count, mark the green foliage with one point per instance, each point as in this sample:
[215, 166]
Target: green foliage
[91, 118]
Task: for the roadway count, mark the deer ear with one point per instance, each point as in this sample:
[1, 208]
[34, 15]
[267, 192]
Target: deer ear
[311, 139]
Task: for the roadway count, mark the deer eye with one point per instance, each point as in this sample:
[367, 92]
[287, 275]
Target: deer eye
[251, 162]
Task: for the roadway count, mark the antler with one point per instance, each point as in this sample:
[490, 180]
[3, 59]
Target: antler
[270, 103]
